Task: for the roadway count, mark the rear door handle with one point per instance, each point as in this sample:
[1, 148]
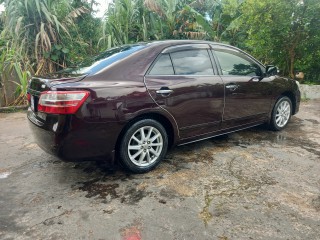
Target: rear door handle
[255, 79]
[164, 91]
[232, 87]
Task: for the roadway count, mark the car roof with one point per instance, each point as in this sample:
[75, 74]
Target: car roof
[175, 42]
[137, 64]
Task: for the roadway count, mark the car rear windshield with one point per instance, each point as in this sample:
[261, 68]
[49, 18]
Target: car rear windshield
[97, 63]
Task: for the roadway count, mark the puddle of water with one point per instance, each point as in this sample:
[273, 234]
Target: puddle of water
[95, 189]
[133, 196]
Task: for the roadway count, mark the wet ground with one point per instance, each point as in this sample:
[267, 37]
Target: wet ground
[254, 184]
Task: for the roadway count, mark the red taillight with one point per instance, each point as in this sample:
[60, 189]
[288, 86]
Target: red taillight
[28, 97]
[61, 102]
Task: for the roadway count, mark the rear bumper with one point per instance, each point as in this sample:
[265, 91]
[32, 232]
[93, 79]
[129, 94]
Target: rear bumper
[73, 139]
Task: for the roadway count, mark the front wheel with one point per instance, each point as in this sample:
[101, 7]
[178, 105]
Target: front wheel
[143, 146]
[281, 113]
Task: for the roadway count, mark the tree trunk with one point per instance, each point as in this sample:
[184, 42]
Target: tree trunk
[291, 66]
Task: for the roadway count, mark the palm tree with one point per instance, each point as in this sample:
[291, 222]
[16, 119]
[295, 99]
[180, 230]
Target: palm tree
[166, 11]
[36, 25]
[121, 25]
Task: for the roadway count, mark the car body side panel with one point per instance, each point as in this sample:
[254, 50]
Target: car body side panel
[196, 102]
[249, 101]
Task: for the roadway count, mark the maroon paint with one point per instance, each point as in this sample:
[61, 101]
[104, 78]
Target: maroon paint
[199, 107]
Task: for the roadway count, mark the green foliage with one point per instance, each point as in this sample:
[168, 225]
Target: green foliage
[285, 33]
[57, 53]
[137, 20]
[36, 25]
[23, 76]
[192, 24]
[11, 65]
[85, 34]
[47, 35]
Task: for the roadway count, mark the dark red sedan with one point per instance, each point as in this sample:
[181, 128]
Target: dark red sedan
[133, 102]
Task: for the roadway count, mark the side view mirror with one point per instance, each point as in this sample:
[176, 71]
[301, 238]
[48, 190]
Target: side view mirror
[271, 70]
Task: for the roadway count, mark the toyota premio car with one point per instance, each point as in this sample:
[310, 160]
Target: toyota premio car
[135, 101]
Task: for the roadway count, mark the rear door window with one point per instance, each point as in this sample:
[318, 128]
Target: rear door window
[192, 62]
[187, 62]
[163, 66]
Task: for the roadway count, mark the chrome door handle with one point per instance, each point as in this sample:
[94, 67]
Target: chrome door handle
[164, 91]
[255, 79]
[232, 87]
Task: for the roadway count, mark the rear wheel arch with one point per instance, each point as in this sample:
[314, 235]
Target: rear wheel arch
[164, 121]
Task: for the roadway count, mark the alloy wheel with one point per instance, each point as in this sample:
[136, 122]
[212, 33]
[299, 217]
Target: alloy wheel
[283, 113]
[145, 146]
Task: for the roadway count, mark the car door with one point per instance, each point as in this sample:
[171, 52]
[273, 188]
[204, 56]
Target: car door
[182, 82]
[247, 92]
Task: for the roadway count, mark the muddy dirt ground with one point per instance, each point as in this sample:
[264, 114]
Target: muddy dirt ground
[254, 184]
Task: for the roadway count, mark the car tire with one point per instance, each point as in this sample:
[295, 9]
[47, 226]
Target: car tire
[143, 146]
[281, 113]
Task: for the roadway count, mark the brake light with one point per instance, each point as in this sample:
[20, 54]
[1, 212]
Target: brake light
[29, 97]
[61, 102]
